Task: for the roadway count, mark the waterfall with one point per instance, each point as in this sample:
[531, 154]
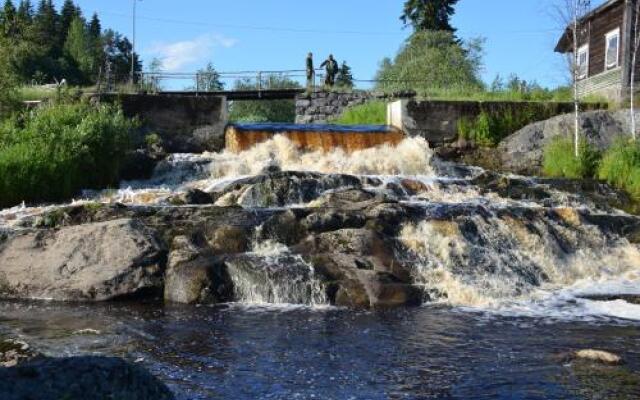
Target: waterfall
[485, 261]
[271, 275]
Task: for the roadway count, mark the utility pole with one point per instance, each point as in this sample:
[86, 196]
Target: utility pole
[133, 44]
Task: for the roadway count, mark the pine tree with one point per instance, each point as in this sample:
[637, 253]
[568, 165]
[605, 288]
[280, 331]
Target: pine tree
[345, 77]
[46, 27]
[433, 15]
[9, 21]
[68, 14]
[95, 27]
[25, 12]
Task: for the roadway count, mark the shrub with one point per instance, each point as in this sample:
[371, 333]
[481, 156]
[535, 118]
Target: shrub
[560, 161]
[491, 126]
[58, 150]
[371, 113]
[620, 166]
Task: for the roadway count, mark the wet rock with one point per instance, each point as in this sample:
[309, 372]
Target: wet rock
[332, 219]
[190, 277]
[230, 240]
[353, 198]
[288, 188]
[284, 228]
[629, 298]
[413, 187]
[385, 291]
[80, 378]
[192, 196]
[92, 262]
[14, 352]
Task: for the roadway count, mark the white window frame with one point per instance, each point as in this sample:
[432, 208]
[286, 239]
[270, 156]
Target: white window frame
[583, 49]
[608, 36]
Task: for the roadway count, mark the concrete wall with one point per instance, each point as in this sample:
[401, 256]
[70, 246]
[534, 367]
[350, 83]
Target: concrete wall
[437, 121]
[186, 123]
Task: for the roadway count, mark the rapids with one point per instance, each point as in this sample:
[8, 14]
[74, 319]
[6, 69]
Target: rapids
[520, 256]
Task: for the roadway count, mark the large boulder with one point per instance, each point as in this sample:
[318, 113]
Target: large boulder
[92, 262]
[97, 378]
[523, 151]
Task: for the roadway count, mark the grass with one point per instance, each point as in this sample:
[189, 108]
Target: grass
[620, 166]
[52, 153]
[371, 113]
[560, 161]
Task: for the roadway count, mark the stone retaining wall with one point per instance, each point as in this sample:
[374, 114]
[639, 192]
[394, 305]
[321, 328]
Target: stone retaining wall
[321, 107]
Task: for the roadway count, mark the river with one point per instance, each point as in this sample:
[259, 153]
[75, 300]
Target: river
[513, 286]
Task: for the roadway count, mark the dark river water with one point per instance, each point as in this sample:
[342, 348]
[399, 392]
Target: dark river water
[239, 352]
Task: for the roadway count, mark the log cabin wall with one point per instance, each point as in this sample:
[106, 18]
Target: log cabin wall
[598, 27]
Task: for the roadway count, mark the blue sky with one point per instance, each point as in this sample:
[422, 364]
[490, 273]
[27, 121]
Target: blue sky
[277, 34]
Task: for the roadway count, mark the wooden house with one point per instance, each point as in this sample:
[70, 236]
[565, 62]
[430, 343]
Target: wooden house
[605, 42]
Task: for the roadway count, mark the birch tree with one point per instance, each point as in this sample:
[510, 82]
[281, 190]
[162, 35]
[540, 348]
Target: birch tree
[634, 58]
[570, 14]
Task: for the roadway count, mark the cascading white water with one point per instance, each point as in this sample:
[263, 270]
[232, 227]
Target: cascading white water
[270, 274]
[507, 263]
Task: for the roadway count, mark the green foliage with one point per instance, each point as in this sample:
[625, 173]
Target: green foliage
[431, 15]
[46, 46]
[344, 80]
[371, 113]
[433, 60]
[620, 166]
[494, 124]
[560, 160]
[263, 110]
[208, 79]
[52, 153]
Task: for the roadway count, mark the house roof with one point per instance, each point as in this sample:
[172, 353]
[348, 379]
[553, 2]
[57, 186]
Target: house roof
[565, 43]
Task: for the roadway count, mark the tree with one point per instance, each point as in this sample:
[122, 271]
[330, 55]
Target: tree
[208, 79]
[570, 13]
[433, 60]
[79, 48]
[264, 111]
[25, 12]
[68, 14]
[345, 77]
[431, 15]
[635, 47]
[9, 21]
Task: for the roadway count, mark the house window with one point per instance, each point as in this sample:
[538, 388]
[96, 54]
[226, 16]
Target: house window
[583, 62]
[613, 49]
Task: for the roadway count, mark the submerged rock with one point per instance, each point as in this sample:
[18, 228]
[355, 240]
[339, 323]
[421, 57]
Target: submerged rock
[599, 356]
[14, 352]
[80, 378]
[99, 261]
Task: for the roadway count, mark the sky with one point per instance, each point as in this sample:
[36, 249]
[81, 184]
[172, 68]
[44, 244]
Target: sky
[238, 35]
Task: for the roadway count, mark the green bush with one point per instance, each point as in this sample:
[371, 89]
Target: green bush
[54, 152]
[560, 160]
[371, 113]
[491, 126]
[620, 166]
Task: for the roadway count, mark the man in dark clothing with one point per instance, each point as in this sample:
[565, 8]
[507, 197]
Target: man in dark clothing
[311, 73]
[331, 68]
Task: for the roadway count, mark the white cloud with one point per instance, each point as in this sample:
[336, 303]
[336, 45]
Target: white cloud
[176, 56]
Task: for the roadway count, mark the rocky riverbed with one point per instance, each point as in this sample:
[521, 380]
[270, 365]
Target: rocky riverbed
[379, 229]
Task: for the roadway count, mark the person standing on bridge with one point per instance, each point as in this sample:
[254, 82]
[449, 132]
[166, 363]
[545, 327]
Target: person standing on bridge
[331, 69]
[311, 73]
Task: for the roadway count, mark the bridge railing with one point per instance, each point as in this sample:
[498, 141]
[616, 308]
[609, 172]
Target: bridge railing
[225, 81]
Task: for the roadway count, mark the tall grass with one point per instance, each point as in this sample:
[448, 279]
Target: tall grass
[57, 150]
[620, 166]
[560, 160]
[371, 113]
